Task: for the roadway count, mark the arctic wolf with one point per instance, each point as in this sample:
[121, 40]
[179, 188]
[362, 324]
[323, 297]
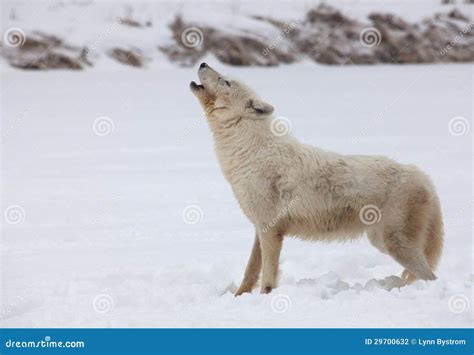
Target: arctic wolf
[287, 188]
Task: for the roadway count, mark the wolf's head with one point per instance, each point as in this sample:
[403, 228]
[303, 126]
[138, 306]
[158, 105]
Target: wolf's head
[221, 96]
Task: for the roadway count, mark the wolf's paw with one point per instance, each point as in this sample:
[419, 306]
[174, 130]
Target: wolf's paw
[243, 289]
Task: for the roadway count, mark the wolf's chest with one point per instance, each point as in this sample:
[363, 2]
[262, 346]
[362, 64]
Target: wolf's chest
[256, 194]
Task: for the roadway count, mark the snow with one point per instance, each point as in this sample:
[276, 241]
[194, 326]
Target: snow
[101, 239]
[115, 213]
[94, 23]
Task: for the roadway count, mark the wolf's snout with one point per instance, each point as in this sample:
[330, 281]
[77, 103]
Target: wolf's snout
[194, 86]
[208, 77]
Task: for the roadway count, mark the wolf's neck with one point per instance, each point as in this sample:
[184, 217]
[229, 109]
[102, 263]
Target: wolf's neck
[241, 146]
[242, 137]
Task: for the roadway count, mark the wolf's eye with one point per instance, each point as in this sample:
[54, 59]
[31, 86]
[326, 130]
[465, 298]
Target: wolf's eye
[223, 82]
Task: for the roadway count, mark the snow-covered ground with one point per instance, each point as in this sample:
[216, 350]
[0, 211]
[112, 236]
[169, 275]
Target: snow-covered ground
[94, 23]
[100, 238]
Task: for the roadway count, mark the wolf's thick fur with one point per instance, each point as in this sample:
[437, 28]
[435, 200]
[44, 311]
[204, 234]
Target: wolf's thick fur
[285, 188]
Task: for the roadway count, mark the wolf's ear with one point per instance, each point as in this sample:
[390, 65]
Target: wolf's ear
[260, 107]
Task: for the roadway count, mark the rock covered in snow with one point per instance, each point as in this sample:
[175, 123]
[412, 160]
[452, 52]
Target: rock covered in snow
[40, 51]
[327, 36]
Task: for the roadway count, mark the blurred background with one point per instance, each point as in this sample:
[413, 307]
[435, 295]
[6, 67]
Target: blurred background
[80, 34]
[114, 209]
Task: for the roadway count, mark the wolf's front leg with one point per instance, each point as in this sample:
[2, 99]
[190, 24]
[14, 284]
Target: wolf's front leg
[270, 243]
[254, 266]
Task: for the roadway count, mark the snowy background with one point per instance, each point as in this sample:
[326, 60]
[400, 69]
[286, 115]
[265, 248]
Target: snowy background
[116, 214]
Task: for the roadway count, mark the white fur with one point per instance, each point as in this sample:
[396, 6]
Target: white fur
[285, 187]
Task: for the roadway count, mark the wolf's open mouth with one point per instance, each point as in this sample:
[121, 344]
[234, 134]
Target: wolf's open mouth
[196, 86]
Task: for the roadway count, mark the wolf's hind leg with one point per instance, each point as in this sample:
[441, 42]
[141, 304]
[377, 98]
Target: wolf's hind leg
[410, 256]
[432, 244]
[408, 277]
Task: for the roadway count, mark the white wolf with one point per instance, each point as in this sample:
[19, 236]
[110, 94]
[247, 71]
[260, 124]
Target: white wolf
[288, 188]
